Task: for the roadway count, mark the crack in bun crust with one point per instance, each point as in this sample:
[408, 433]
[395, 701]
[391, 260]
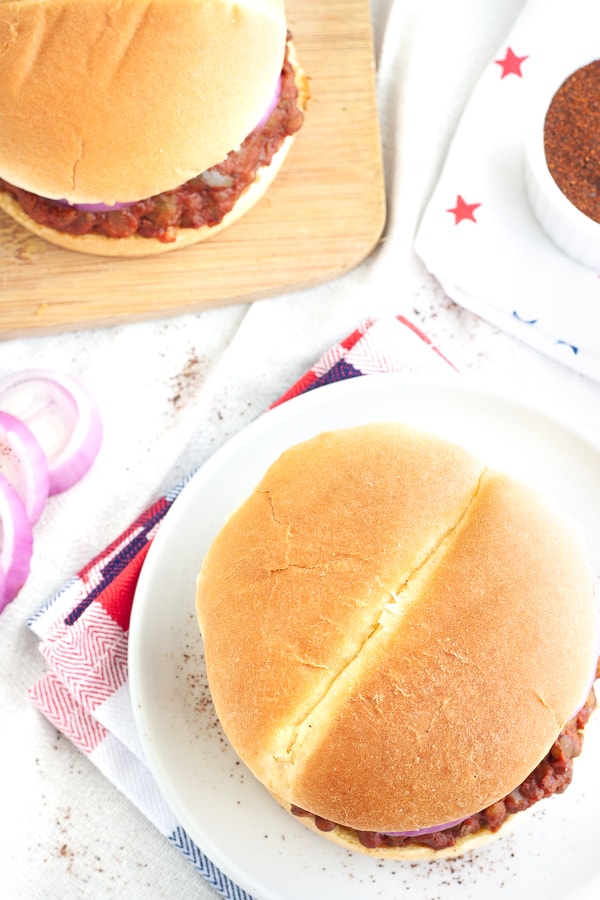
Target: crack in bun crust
[394, 632]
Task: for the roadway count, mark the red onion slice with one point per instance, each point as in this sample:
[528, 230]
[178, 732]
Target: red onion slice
[62, 416]
[24, 464]
[593, 676]
[431, 830]
[272, 104]
[96, 207]
[16, 541]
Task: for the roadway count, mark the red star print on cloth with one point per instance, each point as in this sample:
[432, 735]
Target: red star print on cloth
[463, 210]
[511, 64]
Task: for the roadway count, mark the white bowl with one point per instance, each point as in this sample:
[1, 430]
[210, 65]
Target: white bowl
[570, 229]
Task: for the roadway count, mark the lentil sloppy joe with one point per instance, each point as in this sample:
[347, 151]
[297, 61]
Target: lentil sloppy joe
[400, 641]
[138, 158]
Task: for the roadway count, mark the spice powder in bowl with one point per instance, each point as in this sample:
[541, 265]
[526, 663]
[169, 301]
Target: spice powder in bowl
[563, 164]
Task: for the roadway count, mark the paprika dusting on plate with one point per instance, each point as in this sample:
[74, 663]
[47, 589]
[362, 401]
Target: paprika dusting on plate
[572, 139]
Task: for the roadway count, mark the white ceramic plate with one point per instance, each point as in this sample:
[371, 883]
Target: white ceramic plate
[554, 853]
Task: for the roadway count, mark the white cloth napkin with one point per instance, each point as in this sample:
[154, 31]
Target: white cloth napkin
[478, 236]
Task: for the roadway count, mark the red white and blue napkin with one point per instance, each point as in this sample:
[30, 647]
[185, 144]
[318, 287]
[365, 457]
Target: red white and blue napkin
[478, 236]
[83, 629]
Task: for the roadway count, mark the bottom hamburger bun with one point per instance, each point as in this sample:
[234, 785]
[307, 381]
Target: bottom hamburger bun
[135, 245]
[395, 634]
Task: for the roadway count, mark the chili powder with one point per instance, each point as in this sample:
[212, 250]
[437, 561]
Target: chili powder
[572, 139]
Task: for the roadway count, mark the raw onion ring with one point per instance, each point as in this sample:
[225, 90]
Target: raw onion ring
[431, 830]
[24, 464]
[63, 417]
[272, 104]
[16, 541]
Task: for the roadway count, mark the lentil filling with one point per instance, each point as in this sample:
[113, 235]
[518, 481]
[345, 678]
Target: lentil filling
[204, 200]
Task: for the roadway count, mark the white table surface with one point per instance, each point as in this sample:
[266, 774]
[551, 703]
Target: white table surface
[172, 391]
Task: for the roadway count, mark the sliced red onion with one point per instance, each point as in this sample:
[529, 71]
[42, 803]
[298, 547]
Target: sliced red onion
[62, 416]
[593, 676]
[431, 830]
[24, 464]
[96, 207]
[16, 541]
[273, 103]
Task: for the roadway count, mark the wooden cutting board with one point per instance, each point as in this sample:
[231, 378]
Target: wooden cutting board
[322, 216]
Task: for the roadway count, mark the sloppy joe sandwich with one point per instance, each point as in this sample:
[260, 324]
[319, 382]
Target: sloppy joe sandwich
[400, 641]
[133, 128]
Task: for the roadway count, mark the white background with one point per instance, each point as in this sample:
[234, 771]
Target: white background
[172, 391]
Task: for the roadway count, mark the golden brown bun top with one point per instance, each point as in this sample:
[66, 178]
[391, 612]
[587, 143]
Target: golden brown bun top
[107, 102]
[394, 634]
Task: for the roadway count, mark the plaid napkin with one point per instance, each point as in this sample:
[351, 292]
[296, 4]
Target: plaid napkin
[83, 629]
[478, 235]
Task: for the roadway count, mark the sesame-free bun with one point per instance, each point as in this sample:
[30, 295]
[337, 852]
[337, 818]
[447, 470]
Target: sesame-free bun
[105, 102]
[394, 633]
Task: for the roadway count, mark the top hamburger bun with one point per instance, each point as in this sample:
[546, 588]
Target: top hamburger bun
[107, 103]
[394, 634]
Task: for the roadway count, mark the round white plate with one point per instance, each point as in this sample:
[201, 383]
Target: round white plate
[233, 820]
